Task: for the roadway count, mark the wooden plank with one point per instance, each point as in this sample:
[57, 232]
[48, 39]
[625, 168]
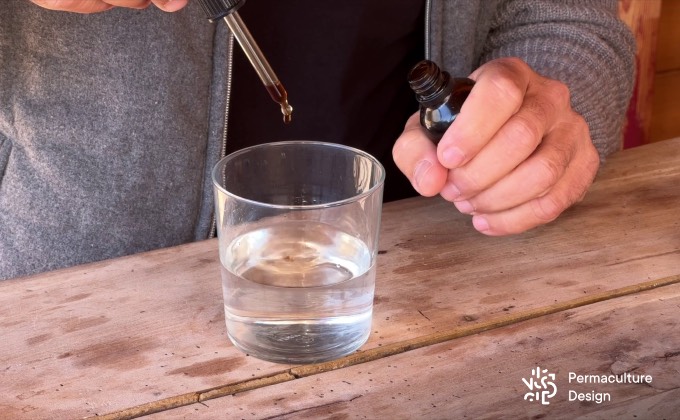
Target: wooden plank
[100, 337]
[642, 17]
[377, 353]
[481, 376]
[666, 105]
[668, 43]
[149, 329]
[665, 121]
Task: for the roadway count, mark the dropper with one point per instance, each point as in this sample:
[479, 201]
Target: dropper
[226, 9]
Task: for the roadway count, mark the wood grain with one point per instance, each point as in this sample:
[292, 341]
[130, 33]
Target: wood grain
[146, 332]
[377, 353]
[480, 376]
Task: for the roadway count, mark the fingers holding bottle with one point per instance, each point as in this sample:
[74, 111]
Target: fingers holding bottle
[498, 94]
[416, 157]
[552, 179]
[515, 156]
[526, 108]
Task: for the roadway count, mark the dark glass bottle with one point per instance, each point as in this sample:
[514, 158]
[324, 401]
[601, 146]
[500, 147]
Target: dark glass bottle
[440, 96]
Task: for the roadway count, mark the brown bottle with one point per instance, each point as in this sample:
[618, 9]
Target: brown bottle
[440, 96]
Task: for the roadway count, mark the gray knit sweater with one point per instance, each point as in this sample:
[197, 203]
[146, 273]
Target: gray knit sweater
[110, 123]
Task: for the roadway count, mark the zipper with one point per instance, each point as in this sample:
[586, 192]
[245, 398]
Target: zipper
[223, 150]
[428, 10]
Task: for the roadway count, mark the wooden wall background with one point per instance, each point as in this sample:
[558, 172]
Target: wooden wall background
[666, 99]
[654, 112]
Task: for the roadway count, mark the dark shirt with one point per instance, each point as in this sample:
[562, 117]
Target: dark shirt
[345, 67]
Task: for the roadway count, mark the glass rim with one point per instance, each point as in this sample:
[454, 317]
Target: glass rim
[376, 164]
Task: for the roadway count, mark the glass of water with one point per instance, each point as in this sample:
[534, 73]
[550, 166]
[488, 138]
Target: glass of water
[298, 225]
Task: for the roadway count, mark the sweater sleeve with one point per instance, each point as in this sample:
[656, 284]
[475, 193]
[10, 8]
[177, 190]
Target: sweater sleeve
[583, 44]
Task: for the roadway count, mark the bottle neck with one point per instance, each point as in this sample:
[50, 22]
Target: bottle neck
[429, 82]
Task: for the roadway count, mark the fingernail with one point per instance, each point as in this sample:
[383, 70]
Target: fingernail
[170, 5]
[450, 192]
[480, 223]
[452, 157]
[421, 171]
[464, 206]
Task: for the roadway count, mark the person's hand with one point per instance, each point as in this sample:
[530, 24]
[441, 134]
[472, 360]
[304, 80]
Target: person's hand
[516, 156]
[95, 6]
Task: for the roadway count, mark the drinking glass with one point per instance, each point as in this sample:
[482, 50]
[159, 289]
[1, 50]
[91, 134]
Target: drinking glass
[298, 225]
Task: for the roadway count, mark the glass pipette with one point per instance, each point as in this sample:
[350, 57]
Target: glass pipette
[226, 9]
[259, 63]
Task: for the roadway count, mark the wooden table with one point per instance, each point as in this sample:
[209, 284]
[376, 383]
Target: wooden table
[460, 322]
